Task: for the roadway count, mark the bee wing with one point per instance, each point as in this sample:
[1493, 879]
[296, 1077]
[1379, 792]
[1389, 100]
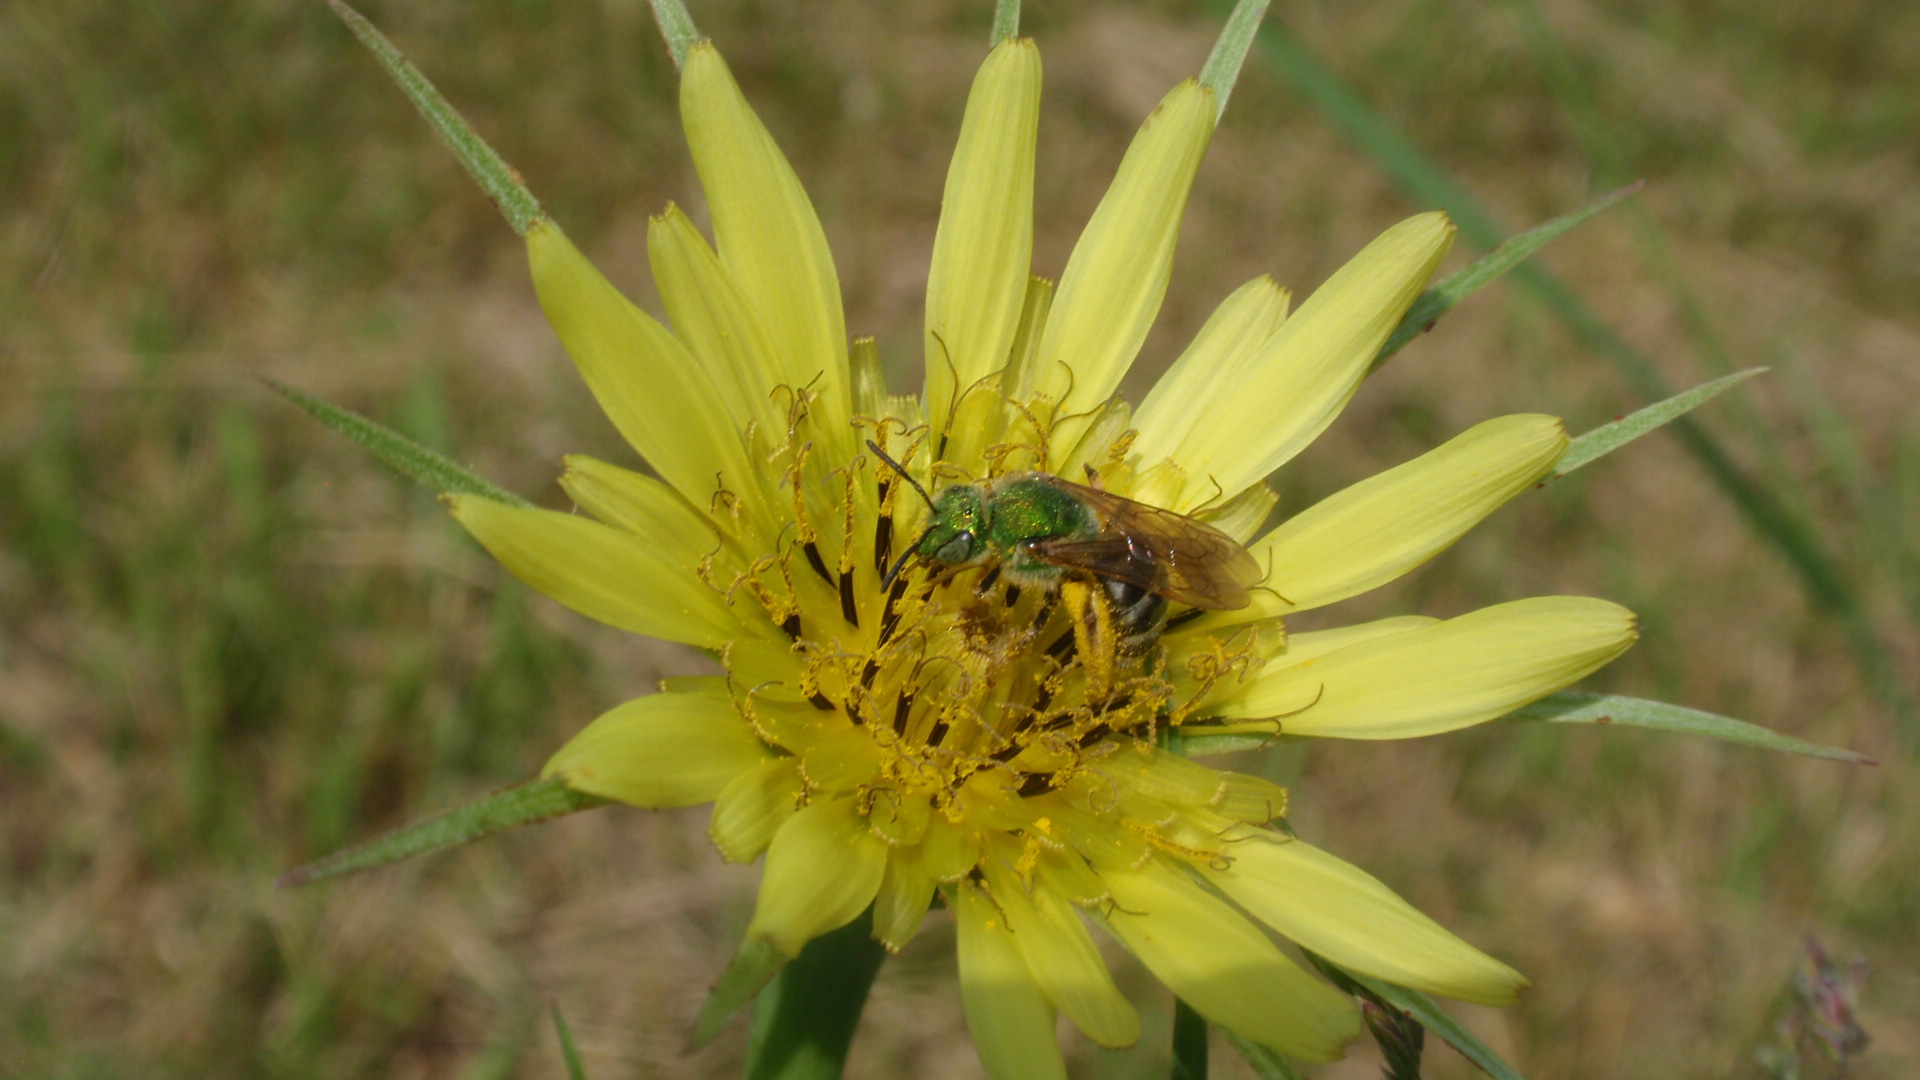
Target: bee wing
[1161, 551]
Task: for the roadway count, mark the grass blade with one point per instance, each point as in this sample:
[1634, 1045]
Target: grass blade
[1795, 539]
[1610, 437]
[403, 455]
[676, 26]
[1440, 299]
[488, 169]
[1189, 1039]
[1222, 68]
[1267, 1063]
[523, 804]
[1572, 707]
[576, 1070]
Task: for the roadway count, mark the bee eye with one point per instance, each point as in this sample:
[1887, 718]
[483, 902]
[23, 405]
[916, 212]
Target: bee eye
[957, 550]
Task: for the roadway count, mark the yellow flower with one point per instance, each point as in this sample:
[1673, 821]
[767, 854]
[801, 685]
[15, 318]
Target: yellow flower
[950, 734]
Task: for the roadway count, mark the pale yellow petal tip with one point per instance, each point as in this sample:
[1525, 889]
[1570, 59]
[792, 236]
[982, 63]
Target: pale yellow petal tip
[1190, 100]
[1025, 46]
[1491, 983]
[703, 52]
[1433, 230]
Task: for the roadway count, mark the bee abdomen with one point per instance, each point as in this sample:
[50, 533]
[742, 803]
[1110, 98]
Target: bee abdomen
[1137, 615]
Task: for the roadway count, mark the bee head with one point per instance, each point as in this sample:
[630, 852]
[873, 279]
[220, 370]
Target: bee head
[953, 535]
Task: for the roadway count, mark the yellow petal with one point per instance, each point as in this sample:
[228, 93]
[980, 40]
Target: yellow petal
[768, 235]
[950, 852]
[1117, 275]
[1349, 917]
[709, 313]
[1384, 526]
[823, 869]
[1010, 1019]
[750, 810]
[841, 761]
[1301, 378]
[1223, 966]
[906, 891]
[1451, 675]
[641, 505]
[660, 751]
[603, 573]
[1063, 960]
[1207, 373]
[645, 380]
[984, 245]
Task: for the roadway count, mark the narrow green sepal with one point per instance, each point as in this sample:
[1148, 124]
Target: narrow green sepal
[522, 804]
[1268, 1063]
[1441, 298]
[1006, 20]
[1222, 68]
[1610, 437]
[401, 454]
[501, 183]
[750, 970]
[1574, 707]
[1189, 1042]
[1196, 743]
[676, 26]
[1424, 1011]
[576, 1069]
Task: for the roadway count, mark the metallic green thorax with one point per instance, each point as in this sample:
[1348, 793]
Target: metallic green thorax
[972, 521]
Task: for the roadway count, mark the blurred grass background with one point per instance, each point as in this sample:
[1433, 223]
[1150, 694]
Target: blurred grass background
[229, 642]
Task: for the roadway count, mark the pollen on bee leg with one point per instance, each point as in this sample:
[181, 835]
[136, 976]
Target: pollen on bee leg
[1092, 621]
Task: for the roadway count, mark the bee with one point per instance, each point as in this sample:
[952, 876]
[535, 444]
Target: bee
[1118, 562]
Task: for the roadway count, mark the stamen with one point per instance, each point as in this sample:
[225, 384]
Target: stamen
[847, 609]
[819, 563]
[883, 529]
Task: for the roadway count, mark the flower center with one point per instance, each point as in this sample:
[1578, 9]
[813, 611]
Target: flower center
[911, 687]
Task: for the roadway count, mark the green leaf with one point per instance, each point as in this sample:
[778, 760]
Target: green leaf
[1441, 298]
[494, 175]
[403, 455]
[1572, 707]
[1006, 20]
[568, 1051]
[522, 804]
[1610, 437]
[1222, 68]
[753, 966]
[1189, 1043]
[677, 27]
[1423, 1009]
[803, 1023]
[1267, 1063]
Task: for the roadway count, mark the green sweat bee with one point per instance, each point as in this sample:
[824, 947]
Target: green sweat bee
[1129, 559]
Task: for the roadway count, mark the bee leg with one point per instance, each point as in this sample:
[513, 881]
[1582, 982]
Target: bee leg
[1093, 635]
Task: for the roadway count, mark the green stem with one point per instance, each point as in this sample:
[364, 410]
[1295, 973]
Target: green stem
[803, 1022]
[1189, 1043]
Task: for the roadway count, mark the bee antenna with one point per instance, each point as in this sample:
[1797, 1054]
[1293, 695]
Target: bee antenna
[898, 565]
[904, 474]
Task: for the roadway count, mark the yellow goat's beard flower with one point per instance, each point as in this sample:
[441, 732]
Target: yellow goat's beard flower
[949, 733]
